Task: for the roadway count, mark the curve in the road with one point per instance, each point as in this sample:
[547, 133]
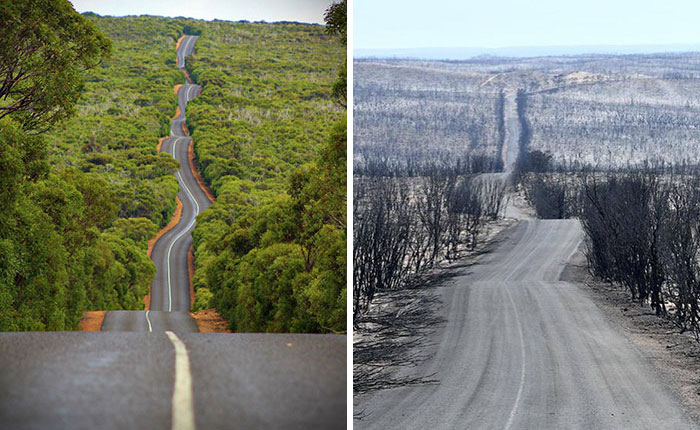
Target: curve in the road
[130, 378]
[170, 289]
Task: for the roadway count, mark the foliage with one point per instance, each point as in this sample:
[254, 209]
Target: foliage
[125, 108]
[336, 20]
[81, 201]
[202, 299]
[44, 47]
[281, 265]
[55, 260]
[273, 260]
[336, 23]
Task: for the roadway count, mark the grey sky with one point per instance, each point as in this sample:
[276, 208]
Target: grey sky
[231, 10]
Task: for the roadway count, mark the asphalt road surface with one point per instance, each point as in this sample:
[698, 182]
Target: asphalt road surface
[147, 369]
[170, 291]
[82, 380]
[523, 350]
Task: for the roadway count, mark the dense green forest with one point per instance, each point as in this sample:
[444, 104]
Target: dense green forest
[125, 108]
[84, 188]
[270, 139]
[55, 259]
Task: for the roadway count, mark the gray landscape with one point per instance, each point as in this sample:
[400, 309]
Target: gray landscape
[526, 242]
[467, 53]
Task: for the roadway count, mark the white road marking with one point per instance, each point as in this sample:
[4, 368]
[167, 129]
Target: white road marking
[518, 396]
[181, 54]
[150, 328]
[184, 50]
[182, 233]
[188, 92]
[183, 407]
[516, 404]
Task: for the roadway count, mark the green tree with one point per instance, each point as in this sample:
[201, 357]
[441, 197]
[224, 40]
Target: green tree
[140, 230]
[336, 23]
[336, 18]
[61, 251]
[44, 45]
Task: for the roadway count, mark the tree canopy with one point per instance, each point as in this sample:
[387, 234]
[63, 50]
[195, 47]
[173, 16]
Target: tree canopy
[271, 141]
[336, 18]
[44, 45]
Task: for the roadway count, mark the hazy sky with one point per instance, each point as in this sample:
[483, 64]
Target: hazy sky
[507, 23]
[231, 10]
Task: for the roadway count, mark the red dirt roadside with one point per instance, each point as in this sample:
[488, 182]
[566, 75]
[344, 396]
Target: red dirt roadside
[151, 243]
[92, 320]
[194, 166]
[209, 321]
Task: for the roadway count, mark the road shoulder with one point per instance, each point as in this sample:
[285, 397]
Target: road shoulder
[92, 320]
[396, 335]
[675, 357]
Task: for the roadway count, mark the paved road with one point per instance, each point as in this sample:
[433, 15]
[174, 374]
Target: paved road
[81, 380]
[170, 288]
[148, 370]
[523, 350]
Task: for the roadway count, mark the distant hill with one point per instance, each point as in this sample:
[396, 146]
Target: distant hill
[520, 51]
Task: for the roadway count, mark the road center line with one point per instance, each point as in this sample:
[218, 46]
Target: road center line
[148, 320]
[518, 396]
[182, 233]
[182, 404]
[184, 51]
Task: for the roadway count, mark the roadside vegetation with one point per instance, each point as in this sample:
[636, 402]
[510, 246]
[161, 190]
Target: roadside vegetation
[270, 138]
[55, 257]
[406, 225]
[642, 231]
[85, 188]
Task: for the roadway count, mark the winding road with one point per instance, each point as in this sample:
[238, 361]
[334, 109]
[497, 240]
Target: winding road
[170, 290]
[522, 349]
[150, 369]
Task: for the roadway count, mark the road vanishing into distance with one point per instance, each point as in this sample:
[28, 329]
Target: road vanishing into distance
[152, 369]
[511, 144]
[521, 349]
[170, 289]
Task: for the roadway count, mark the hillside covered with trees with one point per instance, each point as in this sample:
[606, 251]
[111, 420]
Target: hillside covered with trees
[270, 139]
[84, 187]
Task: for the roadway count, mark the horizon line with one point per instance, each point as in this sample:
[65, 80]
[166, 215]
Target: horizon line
[201, 19]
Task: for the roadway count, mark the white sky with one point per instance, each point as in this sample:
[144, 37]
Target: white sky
[231, 10]
[507, 23]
